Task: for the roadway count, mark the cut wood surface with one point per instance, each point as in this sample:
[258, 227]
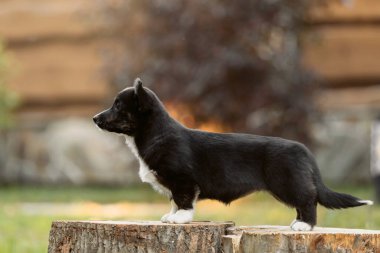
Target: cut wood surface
[127, 236]
[265, 239]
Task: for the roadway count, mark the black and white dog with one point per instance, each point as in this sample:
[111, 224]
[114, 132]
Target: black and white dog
[188, 165]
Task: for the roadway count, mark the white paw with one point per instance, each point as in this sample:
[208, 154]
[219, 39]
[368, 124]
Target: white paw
[181, 216]
[301, 226]
[165, 217]
[293, 222]
[172, 211]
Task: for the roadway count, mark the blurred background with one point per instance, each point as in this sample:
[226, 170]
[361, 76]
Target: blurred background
[299, 69]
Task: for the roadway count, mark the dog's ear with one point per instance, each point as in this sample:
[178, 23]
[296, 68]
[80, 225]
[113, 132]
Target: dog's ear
[137, 84]
[144, 100]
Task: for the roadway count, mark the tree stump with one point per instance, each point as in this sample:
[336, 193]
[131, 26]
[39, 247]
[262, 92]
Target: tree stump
[116, 236]
[265, 239]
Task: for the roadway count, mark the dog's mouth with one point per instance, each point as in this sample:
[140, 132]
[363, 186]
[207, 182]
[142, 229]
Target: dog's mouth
[121, 128]
[101, 124]
[101, 128]
[104, 127]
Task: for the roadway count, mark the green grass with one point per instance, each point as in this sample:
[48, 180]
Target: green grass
[141, 192]
[26, 213]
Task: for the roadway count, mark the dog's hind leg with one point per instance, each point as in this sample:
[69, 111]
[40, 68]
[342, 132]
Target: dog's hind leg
[307, 216]
[298, 218]
[185, 202]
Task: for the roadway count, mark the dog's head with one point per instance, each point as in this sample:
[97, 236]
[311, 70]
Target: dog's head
[130, 106]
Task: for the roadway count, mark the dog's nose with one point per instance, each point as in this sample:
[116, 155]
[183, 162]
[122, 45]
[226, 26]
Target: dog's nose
[96, 119]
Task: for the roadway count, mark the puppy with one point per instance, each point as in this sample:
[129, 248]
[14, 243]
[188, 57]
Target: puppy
[188, 165]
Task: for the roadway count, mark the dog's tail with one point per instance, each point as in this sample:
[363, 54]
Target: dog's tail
[335, 200]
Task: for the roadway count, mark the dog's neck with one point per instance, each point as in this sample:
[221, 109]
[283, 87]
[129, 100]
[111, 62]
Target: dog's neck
[155, 131]
[130, 141]
[146, 174]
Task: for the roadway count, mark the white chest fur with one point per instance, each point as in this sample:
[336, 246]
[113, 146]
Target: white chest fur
[147, 175]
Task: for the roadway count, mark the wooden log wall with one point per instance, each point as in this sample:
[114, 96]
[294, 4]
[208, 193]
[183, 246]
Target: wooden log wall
[57, 54]
[342, 46]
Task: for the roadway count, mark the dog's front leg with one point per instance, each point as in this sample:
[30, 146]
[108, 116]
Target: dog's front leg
[183, 203]
[172, 211]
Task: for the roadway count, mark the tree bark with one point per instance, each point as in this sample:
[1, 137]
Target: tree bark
[109, 236]
[265, 239]
[231, 243]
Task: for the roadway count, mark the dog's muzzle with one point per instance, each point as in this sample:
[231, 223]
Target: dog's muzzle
[97, 119]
